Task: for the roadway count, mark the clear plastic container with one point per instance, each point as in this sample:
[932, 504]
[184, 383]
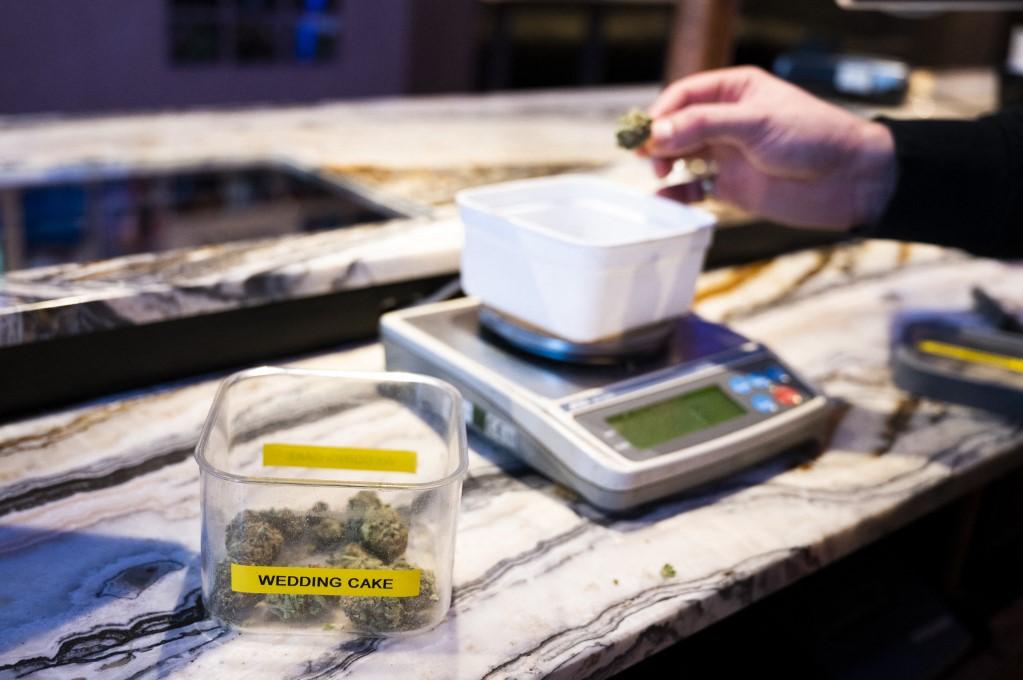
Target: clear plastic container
[580, 257]
[329, 501]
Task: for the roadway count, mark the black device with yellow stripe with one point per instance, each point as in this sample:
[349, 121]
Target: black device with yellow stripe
[973, 358]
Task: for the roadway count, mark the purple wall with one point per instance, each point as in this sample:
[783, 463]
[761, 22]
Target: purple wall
[103, 55]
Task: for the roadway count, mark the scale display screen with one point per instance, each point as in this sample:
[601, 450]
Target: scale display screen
[658, 423]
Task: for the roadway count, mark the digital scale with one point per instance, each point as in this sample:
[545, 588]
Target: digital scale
[623, 421]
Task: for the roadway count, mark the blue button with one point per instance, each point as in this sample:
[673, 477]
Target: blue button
[740, 384]
[764, 403]
[759, 382]
[776, 373]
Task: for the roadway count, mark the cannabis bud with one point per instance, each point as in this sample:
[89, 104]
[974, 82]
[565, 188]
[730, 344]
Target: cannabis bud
[225, 602]
[328, 533]
[298, 607]
[369, 534]
[250, 540]
[285, 521]
[316, 513]
[383, 614]
[427, 597]
[633, 129]
[384, 533]
[354, 556]
[363, 502]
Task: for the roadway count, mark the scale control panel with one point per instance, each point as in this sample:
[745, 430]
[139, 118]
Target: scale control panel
[661, 421]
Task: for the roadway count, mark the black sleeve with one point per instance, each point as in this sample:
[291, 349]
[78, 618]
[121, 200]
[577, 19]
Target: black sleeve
[960, 184]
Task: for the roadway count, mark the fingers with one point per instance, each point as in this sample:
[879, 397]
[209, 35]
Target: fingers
[698, 163]
[662, 167]
[722, 85]
[736, 181]
[699, 125]
[689, 192]
[701, 88]
[699, 168]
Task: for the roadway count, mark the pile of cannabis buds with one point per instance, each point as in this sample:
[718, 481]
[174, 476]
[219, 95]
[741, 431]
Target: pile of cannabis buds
[368, 535]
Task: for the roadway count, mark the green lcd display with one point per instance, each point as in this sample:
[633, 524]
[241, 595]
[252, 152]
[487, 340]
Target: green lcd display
[655, 424]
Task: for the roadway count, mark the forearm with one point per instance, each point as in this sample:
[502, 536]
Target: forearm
[958, 183]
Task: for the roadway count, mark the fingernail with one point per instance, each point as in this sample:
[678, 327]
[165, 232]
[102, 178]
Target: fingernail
[662, 130]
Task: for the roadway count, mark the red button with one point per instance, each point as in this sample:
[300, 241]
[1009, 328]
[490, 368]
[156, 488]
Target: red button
[786, 396]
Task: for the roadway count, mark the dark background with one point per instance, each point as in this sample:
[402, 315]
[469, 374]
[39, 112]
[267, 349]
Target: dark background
[121, 55]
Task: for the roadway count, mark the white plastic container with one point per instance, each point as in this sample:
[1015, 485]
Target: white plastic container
[580, 257]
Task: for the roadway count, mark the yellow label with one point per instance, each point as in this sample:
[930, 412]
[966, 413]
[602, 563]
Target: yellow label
[325, 581]
[974, 356]
[339, 457]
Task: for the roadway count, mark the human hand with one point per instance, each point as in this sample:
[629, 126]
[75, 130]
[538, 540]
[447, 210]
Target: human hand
[780, 152]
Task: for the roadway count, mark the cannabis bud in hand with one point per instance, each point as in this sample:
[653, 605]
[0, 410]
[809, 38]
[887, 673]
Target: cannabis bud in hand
[633, 129]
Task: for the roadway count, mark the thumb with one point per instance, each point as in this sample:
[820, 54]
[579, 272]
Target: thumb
[690, 129]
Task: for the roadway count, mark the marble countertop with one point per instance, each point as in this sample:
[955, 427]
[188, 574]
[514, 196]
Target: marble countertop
[410, 155]
[51, 302]
[99, 509]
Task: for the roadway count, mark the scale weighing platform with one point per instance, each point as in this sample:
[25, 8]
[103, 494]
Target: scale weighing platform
[622, 422]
